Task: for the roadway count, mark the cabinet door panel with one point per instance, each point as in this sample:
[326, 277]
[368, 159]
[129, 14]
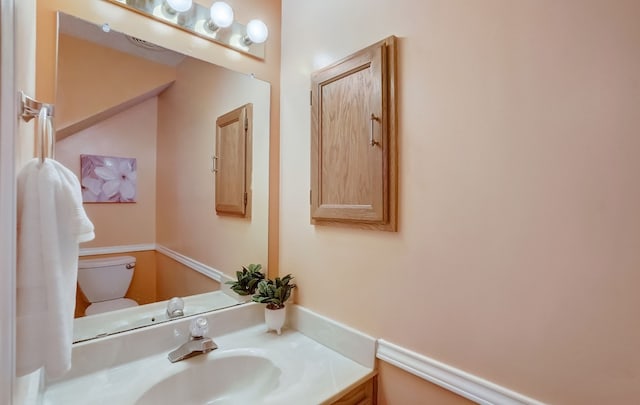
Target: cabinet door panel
[231, 161]
[350, 139]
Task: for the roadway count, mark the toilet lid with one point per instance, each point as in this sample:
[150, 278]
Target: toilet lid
[111, 305]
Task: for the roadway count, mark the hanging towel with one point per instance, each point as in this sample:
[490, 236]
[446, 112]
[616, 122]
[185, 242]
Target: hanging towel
[51, 223]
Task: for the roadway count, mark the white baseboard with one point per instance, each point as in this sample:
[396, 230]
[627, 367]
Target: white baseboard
[202, 268]
[462, 383]
[105, 250]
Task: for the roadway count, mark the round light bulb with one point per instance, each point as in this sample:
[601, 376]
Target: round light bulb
[180, 6]
[221, 14]
[257, 31]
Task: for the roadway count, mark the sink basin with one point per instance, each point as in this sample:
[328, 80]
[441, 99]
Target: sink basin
[239, 376]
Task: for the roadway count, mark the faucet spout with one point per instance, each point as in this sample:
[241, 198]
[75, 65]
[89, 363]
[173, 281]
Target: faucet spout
[194, 347]
[197, 343]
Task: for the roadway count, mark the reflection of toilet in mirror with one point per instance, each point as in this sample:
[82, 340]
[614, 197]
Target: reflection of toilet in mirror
[105, 281]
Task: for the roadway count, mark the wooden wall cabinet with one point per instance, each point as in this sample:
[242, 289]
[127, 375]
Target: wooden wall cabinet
[353, 140]
[232, 161]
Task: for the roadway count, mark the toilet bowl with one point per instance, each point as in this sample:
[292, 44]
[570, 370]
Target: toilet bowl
[105, 281]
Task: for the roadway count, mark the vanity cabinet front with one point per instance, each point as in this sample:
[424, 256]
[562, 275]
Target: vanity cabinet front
[363, 394]
[353, 140]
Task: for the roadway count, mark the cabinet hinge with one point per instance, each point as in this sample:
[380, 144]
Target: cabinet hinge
[246, 198]
[311, 97]
[246, 123]
[310, 197]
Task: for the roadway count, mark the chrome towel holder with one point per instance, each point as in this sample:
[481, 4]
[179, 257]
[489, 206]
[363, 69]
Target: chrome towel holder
[30, 108]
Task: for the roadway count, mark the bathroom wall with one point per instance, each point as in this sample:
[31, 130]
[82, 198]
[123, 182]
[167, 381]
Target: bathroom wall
[186, 219]
[118, 79]
[131, 133]
[517, 252]
[174, 279]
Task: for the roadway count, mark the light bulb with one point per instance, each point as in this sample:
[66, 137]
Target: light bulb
[221, 14]
[180, 6]
[257, 32]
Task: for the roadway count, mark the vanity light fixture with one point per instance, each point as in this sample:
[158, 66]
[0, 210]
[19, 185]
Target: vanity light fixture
[215, 23]
[178, 6]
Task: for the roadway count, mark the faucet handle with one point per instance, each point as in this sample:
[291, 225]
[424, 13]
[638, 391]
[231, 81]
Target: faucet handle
[175, 307]
[199, 327]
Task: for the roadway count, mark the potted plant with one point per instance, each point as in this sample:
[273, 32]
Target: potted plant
[247, 281]
[274, 293]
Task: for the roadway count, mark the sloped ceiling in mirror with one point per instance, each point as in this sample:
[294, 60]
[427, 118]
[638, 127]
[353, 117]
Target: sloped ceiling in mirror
[118, 73]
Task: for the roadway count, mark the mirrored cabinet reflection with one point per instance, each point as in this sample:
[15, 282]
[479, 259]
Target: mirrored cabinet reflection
[232, 161]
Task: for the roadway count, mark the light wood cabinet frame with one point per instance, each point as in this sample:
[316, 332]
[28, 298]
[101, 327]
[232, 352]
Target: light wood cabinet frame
[354, 140]
[232, 162]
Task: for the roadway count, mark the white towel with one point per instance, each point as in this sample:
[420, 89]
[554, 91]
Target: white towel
[51, 223]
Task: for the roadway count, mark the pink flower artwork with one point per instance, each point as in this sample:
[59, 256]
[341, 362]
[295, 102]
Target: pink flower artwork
[108, 179]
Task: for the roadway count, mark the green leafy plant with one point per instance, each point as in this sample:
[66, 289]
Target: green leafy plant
[247, 279]
[274, 293]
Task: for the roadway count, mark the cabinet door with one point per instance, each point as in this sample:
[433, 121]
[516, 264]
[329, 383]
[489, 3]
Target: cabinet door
[353, 139]
[232, 161]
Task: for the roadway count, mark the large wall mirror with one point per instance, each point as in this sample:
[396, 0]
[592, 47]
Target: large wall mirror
[120, 98]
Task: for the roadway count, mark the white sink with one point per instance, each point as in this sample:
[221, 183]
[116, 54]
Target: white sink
[240, 376]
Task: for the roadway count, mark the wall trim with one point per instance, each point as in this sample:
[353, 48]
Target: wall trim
[202, 268]
[462, 383]
[105, 250]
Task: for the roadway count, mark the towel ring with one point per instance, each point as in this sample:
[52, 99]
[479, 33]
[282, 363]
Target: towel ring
[45, 134]
[30, 108]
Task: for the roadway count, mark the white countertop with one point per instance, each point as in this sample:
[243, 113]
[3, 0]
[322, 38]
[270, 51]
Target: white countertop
[309, 372]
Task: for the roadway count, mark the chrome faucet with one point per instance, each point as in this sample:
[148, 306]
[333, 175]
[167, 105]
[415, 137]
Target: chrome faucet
[197, 344]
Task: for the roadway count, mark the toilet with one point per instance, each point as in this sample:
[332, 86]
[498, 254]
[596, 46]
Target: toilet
[105, 281]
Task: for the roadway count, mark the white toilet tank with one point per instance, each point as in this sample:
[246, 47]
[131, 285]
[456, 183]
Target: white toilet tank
[106, 278]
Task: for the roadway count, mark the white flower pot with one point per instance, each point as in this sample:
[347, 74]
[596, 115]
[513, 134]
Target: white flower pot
[275, 318]
[244, 298]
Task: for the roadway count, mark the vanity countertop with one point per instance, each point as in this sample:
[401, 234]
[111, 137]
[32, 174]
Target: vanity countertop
[308, 372]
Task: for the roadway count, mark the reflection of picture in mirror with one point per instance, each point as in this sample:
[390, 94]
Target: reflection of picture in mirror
[108, 179]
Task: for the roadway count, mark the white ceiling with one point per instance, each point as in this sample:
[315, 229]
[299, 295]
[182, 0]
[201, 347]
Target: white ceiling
[84, 30]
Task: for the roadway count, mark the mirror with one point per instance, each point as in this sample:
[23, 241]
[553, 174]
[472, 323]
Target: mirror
[118, 96]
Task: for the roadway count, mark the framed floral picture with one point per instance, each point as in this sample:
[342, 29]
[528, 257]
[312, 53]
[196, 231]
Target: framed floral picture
[108, 179]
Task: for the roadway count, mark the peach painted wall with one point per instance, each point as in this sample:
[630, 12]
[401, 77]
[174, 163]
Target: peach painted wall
[93, 79]
[401, 388]
[131, 133]
[186, 219]
[517, 253]
[134, 24]
[177, 280]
